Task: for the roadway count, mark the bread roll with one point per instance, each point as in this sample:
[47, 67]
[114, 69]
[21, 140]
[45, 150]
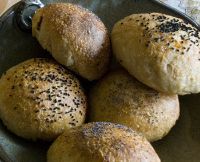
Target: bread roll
[159, 50]
[101, 142]
[120, 98]
[39, 99]
[75, 37]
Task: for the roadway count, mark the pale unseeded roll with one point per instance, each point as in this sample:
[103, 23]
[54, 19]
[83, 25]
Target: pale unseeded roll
[101, 142]
[75, 37]
[161, 51]
[120, 98]
[39, 99]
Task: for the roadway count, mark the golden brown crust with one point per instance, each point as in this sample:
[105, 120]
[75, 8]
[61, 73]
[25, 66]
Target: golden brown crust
[75, 37]
[40, 99]
[120, 98]
[101, 142]
[159, 50]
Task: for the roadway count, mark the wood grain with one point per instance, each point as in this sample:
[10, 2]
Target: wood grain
[190, 7]
[5, 4]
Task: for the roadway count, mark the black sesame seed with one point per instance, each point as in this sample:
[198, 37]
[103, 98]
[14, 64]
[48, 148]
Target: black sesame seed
[80, 112]
[36, 111]
[169, 26]
[156, 39]
[73, 124]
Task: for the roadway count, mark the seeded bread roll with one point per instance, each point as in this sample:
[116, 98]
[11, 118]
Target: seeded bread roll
[120, 98]
[75, 37]
[101, 142]
[39, 99]
[161, 51]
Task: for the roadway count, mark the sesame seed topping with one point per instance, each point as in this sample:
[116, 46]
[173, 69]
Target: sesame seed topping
[50, 89]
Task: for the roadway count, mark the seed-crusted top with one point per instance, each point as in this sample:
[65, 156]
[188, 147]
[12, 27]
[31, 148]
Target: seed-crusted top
[78, 39]
[160, 50]
[161, 28]
[102, 141]
[45, 95]
[120, 98]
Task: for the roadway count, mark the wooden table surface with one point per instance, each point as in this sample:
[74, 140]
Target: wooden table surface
[5, 4]
[191, 7]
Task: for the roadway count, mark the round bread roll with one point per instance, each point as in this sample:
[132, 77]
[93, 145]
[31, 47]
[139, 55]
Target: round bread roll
[101, 142]
[39, 99]
[120, 98]
[75, 37]
[159, 50]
